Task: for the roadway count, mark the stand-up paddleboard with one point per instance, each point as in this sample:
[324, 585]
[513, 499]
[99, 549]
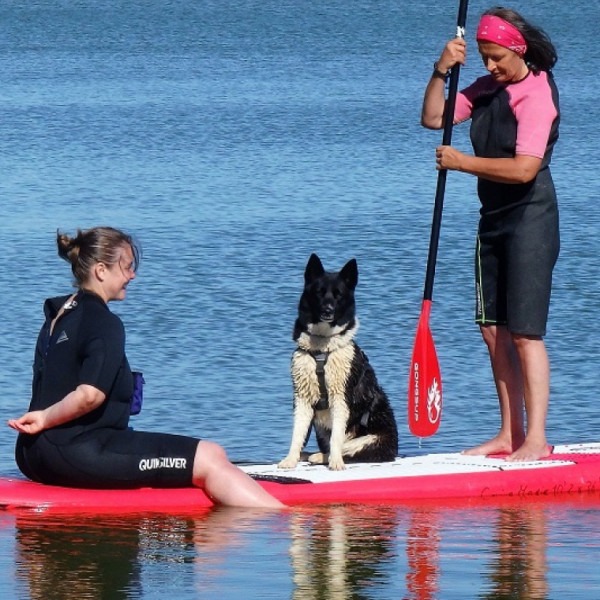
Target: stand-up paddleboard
[571, 469]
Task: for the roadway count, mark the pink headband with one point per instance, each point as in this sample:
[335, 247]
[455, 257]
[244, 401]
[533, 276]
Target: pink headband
[498, 31]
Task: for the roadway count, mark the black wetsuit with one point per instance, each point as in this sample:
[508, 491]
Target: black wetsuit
[518, 236]
[98, 449]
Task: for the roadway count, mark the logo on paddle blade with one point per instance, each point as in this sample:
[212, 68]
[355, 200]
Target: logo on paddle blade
[416, 391]
[434, 402]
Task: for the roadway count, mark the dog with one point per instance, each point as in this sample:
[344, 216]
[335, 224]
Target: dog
[335, 387]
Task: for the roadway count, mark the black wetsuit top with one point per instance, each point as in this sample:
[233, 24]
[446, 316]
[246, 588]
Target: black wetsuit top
[98, 449]
[87, 346]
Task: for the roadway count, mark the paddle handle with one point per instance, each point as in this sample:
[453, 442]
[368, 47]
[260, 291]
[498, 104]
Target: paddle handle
[446, 141]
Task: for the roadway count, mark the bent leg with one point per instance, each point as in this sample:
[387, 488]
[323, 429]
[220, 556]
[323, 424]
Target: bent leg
[225, 483]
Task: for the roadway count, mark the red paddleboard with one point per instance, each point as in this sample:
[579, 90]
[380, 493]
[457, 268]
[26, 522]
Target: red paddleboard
[571, 469]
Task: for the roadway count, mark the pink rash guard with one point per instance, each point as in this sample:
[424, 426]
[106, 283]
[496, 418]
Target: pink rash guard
[531, 102]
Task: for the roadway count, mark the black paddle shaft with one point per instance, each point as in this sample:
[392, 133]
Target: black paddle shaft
[446, 141]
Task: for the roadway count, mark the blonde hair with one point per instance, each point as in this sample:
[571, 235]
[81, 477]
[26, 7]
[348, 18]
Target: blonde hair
[91, 246]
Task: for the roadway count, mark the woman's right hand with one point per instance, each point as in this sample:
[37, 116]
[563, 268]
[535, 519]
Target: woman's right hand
[455, 52]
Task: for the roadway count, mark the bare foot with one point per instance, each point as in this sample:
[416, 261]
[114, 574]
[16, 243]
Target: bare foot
[530, 451]
[497, 445]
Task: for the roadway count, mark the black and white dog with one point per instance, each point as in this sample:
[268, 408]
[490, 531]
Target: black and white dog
[335, 388]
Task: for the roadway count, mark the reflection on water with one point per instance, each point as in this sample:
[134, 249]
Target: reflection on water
[504, 550]
[338, 552]
[422, 553]
[518, 566]
[83, 557]
[78, 558]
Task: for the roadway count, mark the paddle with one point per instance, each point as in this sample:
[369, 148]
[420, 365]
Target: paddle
[425, 381]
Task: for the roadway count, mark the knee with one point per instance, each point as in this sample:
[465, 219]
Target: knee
[522, 342]
[209, 456]
[498, 339]
[211, 452]
[488, 333]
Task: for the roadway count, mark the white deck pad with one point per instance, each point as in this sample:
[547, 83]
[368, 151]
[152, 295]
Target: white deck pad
[417, 466]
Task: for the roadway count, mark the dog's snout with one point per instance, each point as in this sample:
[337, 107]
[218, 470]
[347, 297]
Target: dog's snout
[327, 310]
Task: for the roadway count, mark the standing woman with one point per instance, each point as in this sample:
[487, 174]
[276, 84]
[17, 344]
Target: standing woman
[514, 125]
[76, 431]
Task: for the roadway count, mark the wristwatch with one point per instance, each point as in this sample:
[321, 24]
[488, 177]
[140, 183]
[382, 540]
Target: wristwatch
[438, 73]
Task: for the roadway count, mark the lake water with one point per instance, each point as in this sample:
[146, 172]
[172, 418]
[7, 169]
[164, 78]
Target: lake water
[234, 138]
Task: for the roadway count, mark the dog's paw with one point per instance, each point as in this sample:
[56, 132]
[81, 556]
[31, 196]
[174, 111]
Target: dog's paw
[336, 464]
[318, 458]
[287, 463]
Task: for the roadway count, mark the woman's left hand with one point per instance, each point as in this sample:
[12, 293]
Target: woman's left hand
[447, 157]
[80, 401]
[31, 422]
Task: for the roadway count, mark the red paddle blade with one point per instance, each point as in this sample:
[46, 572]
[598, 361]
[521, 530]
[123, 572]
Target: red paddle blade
[425, 381]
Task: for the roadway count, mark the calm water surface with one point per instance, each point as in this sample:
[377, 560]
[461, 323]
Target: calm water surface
[433, 551]
[234, 138]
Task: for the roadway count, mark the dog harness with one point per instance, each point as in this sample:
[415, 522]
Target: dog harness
[323, 403]
[321, 359]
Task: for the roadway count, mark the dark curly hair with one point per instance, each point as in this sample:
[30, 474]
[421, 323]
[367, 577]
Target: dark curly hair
[541, 53]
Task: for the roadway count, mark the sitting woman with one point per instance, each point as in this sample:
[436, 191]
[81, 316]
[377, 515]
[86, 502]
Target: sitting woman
[76, 431]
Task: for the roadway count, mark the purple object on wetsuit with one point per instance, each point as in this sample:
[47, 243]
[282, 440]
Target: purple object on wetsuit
[137, 398]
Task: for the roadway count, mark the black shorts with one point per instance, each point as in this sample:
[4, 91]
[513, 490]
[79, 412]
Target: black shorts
[514, 260]
[110, 459]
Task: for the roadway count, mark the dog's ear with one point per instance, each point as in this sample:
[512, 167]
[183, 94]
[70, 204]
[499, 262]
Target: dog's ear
[314, 269]
[349, 273]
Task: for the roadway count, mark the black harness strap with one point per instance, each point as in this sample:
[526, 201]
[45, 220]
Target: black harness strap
[323, 403]
[321, 359]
